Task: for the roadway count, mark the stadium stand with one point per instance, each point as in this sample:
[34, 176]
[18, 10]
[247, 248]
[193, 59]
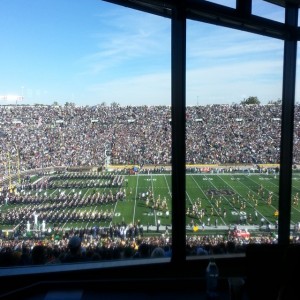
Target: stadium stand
[39, 142]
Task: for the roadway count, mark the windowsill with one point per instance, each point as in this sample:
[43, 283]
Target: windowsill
[66, 267]
[139, 277]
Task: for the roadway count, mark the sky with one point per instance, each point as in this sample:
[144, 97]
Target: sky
[91, 52]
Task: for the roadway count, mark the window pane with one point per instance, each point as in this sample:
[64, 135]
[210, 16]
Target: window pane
[233, 138]
[85, 130]
[228, 3]
[268, 10]
[295, 212]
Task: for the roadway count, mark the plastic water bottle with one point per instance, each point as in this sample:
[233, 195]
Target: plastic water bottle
[212, 277]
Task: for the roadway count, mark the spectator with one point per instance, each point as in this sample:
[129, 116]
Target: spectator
[158, 252]
[75, 251]
[38, 255]
[143, 251]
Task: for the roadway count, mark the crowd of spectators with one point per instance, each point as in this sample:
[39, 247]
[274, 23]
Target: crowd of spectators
[42, 136]
[86, 246]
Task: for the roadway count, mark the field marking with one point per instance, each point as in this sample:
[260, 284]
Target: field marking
[249, 187]
[155, 220]
[210, 181]
[227, 199]
[114, 212]
[292, 207]
[294, 187]
[134, 207]
[192, 204]
[277, 187]
[170, 193]
[247, 200]
[241, 174]
[210, 201]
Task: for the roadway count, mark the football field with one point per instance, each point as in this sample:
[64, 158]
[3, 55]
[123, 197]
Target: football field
[212, 201]
[226, 199]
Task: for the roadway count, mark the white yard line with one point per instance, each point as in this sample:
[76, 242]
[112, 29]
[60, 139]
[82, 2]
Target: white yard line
[134, 207]
[170, 193]
[155, 220]
[243, 197]
[209, 199]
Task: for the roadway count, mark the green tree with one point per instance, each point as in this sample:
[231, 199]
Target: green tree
[250, 100]
[114, 104]
[69, 104]
[276, 102]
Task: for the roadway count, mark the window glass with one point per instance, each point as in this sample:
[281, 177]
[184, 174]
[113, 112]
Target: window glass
[268, 10]
[295, 212]
[233, 138]
[85, 132]
[228, 3]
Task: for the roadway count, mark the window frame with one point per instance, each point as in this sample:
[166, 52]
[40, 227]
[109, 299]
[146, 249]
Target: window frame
[240, 19]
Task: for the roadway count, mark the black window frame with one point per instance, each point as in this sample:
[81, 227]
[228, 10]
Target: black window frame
[240, 18]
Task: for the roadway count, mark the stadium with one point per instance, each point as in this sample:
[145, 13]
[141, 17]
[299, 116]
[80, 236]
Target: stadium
[107, 168]
[138, 201]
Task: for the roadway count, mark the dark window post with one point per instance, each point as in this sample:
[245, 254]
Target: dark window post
[178, 132]
[287, 125]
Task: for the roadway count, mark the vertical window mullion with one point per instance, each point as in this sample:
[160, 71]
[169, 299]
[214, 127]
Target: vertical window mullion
[178, 132]
[287, 127]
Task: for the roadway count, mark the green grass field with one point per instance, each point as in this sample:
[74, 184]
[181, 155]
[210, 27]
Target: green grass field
[236, 194]
[224, 197]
